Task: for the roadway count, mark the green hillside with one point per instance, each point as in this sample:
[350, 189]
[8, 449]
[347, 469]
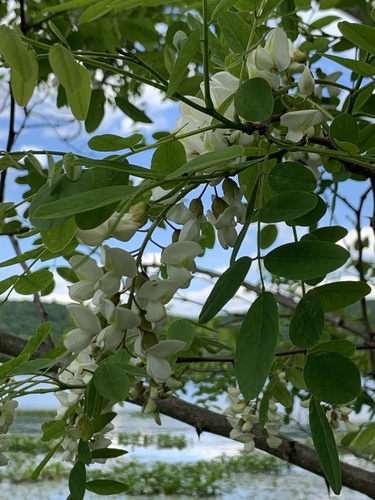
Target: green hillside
[22, 319]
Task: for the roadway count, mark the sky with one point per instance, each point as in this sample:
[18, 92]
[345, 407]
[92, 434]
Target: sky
[72, 137]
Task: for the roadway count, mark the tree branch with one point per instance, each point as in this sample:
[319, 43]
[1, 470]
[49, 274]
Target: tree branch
[290, 451]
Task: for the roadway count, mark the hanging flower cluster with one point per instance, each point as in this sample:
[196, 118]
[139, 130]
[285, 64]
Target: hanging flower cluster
[243, 414]
[335, 415]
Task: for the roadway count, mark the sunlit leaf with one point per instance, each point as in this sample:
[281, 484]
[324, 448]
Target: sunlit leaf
[65, 67]
[79, 100]
[34, 282]
[111, 142]
[291, 175]
[111, 381]
[186, 54]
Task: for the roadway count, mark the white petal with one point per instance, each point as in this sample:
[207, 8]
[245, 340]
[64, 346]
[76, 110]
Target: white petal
[158, 290]
[84, 318]
[93, 237]
[159, 369]
[119, 261]
[155, 312]
[278, 46]
[109, 283]
[82, 290]
[166, 348]
[181, 253]
[77, 340]
[85, 267]
[108, 310]
[111, 336]
[127, 318]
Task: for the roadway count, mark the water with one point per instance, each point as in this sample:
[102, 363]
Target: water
[291, 482]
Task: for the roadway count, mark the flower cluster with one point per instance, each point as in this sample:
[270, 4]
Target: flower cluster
[243, 414]
[7, 415]
[335, 415]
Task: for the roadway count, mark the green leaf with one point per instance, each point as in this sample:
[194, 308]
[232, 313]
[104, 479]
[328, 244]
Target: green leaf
[360, 35]
[111, 381]
[341, 294]
[207, 160]
[307, 322]
[77, 481]
[287, 206]
[44, 462]
[305, 260]
[12, 364]
[108, 453]
[95, 113]
[281, 394]
[58, 237]
[65, 67]
[106, 487]
[330, 233]
[236, 31]
[15, 53]
[343, 346]
[99, 422]
[23, 89]
[7, 283]
[225, 288]
[31, 283]
[325, 445]
[223, 5]
[180, 67]
[32, 366]
[256, 345]
[268, 235]
[136, 114]
[111, 142]
[168, 157]
[254, 100]
[331, 377]
[96, 11]
[360, 67]
[181, 329]
[83, 202]
[84, 452]
[344, 128]
[314, 215]
[53, 429]
[79, 100]
[36, 340]
[365, 438]
[291, 175]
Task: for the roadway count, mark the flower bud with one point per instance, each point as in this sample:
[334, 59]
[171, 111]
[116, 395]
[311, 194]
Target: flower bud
[139, 213]
[196, 207]
[218, 206]
[306, 83]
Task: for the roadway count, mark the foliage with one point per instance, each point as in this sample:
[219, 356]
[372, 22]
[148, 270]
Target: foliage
[273, 140]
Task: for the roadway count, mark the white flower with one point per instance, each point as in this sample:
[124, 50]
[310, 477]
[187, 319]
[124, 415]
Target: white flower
[119, 319]
[89, 273]
[88, 326]
[157, 293]
[80, 371]
[300, 123]
[277, 45]
[274, 442]
[93, 237]
[7, 414]
[306, 83]
[157, 366]
[180, 214]
[181, 253]
[119, 262]
[225, 225]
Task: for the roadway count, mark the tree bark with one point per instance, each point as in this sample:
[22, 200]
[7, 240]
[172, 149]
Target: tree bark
[290, 451]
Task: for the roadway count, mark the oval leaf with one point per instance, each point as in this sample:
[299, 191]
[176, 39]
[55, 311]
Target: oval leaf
[287, 206]
[268, 235]
[307, 322]
[331, 377]
[331, 233]
[325, 445]
[15, 53]
[79, 100]
[111, 142]
[83, 202]
[342, 294]
[291, 175]
[344, 128]
[106, 487]
[65, 67]
[31, 283]
[111, 381]
[254, 100]
[225, 288]
[256, 345]
[168, 157]
[77, 481]
[305, 260]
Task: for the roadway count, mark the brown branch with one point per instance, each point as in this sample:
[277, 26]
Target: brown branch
[334, 319]
[290, 451]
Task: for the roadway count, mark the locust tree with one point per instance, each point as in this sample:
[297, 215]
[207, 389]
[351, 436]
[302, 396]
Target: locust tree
[274, 141]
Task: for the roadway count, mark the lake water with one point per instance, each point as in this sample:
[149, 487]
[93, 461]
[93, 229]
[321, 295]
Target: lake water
[291, 483]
